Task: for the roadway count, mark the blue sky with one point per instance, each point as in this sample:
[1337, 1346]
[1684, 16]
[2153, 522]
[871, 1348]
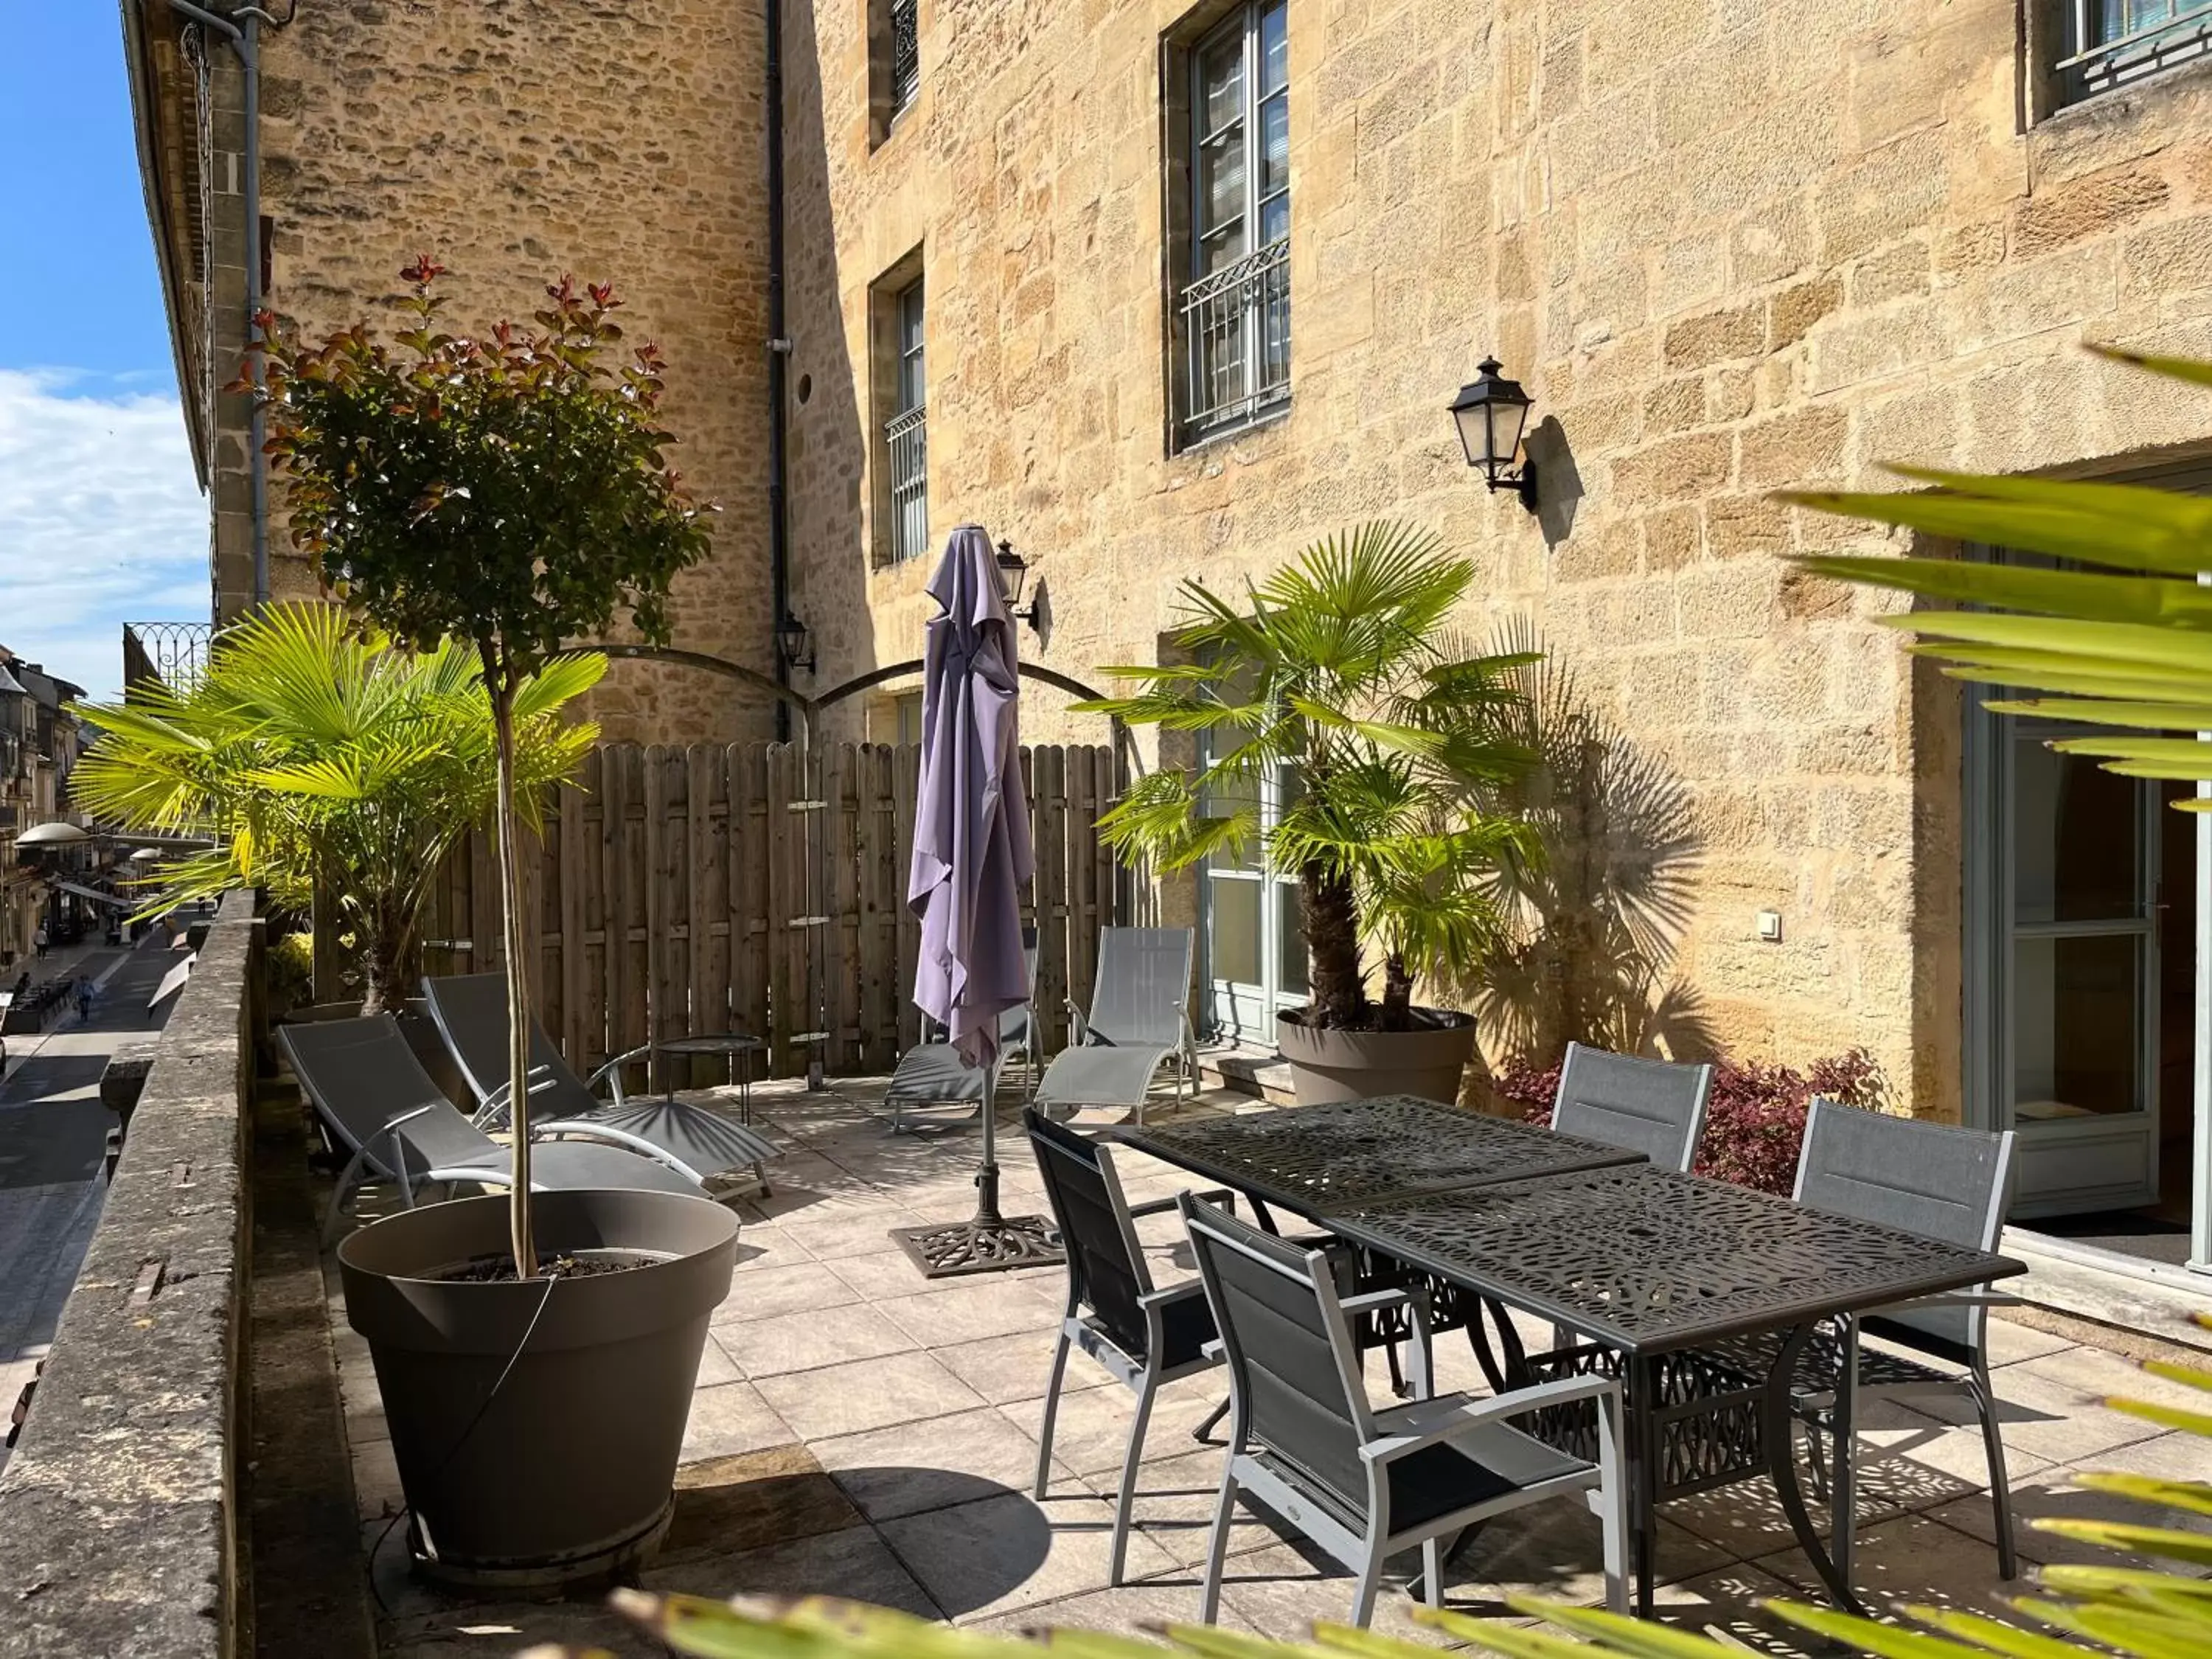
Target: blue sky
[101, 521]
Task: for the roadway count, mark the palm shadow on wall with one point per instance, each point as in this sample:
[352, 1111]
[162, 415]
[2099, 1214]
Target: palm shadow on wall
[1597, 922]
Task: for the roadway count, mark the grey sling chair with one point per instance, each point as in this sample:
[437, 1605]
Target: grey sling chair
[470, 1011]
[365, 1083]
[1143, 1336]
[933, 1074]
[1139, 1016]
[1649, 1106]
[1362, 1484]
[1945, 1183]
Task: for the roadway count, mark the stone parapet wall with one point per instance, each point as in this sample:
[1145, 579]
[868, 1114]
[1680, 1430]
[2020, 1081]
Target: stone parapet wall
[119, 1518]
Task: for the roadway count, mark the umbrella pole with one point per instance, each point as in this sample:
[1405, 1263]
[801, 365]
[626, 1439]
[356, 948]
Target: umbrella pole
[987, 1241]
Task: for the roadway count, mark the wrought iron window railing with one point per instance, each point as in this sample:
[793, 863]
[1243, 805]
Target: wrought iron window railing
[905, 54]
[2111, 43]
[1234, 326]
[906, 443]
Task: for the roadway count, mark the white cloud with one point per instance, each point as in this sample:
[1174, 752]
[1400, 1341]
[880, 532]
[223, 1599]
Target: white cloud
[101, 523]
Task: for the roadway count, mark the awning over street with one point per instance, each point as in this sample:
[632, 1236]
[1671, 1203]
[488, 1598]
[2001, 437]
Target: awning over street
[93, 895]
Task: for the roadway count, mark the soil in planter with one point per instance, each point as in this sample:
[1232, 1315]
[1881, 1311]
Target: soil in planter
[1421, 1019]
[500, 1269]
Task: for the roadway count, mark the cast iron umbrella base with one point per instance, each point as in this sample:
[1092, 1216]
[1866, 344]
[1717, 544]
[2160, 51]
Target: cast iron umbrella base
[988, 1241]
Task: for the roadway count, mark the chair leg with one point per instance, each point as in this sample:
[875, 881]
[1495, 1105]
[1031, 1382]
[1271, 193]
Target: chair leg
[1433, 1572]
[1985, 1407]
[1370, 1581]
[1217, 1545]
[1051, 1409]
[1212, 1418]
[1125, 1500]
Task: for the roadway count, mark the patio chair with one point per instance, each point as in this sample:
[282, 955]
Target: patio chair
[1143, 1336]
[933, 1074]
[1365, 1485]
[365, 1084]
[1945, 1183]
[1648, 1106]
[1139, 1016]
[470, 1011]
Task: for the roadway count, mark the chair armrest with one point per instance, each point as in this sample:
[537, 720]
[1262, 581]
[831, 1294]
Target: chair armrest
[1431, 1422]
[1945, 1299]
[1369, 1301]
[582, 1128]
[390, 1130]
[1220, 1195]
[1215, 1350]
[615, 1066]
[1172, 1293]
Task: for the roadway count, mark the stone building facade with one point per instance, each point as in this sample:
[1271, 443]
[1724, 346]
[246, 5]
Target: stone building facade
[39, 743]
[1727, 247]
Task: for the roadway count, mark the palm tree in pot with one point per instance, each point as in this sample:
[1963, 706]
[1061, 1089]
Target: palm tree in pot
[1342, 676]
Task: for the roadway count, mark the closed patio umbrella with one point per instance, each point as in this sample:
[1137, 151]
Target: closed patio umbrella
[971, 855]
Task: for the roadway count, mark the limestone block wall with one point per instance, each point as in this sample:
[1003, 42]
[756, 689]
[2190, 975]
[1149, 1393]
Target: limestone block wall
[517, 141]
[1728, 247]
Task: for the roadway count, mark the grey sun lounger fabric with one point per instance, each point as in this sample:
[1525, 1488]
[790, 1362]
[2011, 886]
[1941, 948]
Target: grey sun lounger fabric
[1139, 1017]
[364, 1081]
[470, 1011]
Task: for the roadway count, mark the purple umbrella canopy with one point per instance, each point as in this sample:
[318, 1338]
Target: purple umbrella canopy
[971, 832]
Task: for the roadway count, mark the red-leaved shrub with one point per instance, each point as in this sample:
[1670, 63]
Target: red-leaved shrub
[1754, 1118]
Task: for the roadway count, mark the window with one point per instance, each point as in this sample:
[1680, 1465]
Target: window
[1233, 312]
[2104, 43]
[906, 434]
[905, 54]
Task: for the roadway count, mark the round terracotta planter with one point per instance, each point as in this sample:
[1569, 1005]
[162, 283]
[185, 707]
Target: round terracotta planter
[1330, 1066]
[567, 1474]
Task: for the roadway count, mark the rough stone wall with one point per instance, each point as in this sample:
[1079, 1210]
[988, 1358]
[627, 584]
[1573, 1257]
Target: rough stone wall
[1728, 246]
[518, 139]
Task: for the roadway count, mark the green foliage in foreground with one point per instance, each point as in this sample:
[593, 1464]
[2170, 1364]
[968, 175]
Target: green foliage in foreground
[311, 754]
[2137, 1613]
[2126, 645]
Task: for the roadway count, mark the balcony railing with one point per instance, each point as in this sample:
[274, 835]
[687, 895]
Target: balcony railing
[906, 439]
[1236, 341]
[2097, 66]
[905, 54]
[173, 655]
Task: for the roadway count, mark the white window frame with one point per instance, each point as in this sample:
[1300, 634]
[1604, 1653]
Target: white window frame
[2095, 56]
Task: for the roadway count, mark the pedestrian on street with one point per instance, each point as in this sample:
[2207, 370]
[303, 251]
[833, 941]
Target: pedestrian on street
[84, 996]
[38, 941]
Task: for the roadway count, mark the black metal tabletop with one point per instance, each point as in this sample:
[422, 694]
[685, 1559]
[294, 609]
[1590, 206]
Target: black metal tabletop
[1322, 1160]
[1647, 1262]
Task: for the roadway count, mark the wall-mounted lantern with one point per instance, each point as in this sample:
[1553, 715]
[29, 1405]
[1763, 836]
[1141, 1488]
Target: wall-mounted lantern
[1013, 572]
[1491, 411]
[793, 644]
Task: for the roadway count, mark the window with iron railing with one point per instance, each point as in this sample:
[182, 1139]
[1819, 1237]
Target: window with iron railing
[905, 54]
[2105, 44]
[906, 434]
[1232, 315]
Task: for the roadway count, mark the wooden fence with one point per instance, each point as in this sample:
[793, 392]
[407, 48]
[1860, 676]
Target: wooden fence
[760, 889]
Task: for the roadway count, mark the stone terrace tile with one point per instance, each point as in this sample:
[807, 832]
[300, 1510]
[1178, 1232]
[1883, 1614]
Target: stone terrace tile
[860, 1431]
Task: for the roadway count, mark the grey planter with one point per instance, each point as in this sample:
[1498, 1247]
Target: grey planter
[1330, 1066]
[566, 1475]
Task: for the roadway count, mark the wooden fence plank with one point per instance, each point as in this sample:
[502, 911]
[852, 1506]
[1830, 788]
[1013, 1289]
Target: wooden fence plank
[907, 778]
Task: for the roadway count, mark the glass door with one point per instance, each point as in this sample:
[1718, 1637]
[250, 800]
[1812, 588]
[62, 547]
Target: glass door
[2068, 962]
[1256, 949]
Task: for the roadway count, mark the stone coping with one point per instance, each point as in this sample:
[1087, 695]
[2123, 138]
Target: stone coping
[119, 1513]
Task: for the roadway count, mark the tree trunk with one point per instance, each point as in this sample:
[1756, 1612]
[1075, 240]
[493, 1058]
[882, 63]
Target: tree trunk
[498, 687]
[1397, 994]
[1332, 930]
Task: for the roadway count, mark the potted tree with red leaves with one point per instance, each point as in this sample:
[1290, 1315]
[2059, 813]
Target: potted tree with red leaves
[536, 1355]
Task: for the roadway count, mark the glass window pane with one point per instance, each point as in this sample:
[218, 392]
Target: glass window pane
[1221, 181]
[2076, 835]
[1275, 145]
[1232, 797]
[1220, 80]
[2076, 1016]
[1275, 51]
[1233, 928]
[1291, 944]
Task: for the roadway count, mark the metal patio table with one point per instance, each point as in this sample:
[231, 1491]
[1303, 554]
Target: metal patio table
[739, 1047]
[1319, 1162]
[1702, 1295]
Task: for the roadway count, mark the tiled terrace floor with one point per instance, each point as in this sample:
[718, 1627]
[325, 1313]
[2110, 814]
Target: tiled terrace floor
[860, 1431]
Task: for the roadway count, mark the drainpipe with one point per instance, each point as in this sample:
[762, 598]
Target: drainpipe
[779, 353]
[247, 43]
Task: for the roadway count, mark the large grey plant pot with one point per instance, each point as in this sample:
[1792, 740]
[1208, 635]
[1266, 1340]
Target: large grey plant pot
[566, 1474]
[1331, 1065]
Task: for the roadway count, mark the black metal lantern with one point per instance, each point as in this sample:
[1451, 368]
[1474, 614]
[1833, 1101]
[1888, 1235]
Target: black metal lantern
[1013, 572]
[793, 643]
[1491, 410]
